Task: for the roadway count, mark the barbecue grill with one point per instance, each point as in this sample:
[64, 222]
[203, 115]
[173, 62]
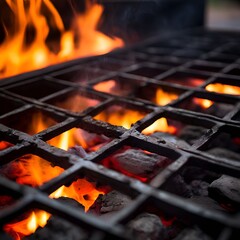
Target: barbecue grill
[70, 96]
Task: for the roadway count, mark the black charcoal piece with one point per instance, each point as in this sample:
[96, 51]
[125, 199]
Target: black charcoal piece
[199, 188]
[168, 138]
[140, 163]
[110, 202]
[207, 203]
[60, 229]
[191, 133]
[226, 189]
[146, 227]
[192, 234]
[178, 186]
[222, 152]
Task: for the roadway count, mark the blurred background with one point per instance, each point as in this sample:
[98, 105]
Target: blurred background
[223, 14]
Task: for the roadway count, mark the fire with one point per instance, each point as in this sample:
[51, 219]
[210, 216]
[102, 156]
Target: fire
[17, 56]
[163, 98]
[4, 145]
[204, 103]
[223, 88]
[119, 116]
[161, 125]
[34, 171]
[106, 86]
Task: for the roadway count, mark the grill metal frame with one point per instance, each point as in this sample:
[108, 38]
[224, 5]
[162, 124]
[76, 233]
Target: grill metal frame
[215, 43]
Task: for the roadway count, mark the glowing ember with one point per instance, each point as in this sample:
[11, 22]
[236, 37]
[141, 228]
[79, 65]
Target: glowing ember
[163, 97]
[17, 56]
[4, 145]
[204, 103]
[106, 86]
[34, 171]
[223, 88]
[161, 125]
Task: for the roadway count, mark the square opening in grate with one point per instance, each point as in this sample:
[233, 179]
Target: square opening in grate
[225, 144]
[119, 86]
[137, 163]
[149, 72]
[207, 188]
[234, 71]
[206, 106]
[175, 132]
[206, 67]
[37, 89]
[120, 115]
[8, 105]
[186, 79]
[222, 58]
[159, 95]
[79, 142]
[40, 224]
[31, 121]
[78, 75]
[74, 101]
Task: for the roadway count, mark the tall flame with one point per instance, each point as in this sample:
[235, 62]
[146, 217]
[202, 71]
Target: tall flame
[17, 56]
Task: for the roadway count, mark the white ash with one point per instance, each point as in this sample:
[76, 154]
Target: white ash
[146, 227]
[226, 188]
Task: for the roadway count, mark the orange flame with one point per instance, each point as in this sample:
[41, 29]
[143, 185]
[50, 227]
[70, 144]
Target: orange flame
[163, 97]
[161, 125]
[18, 57]
[34, 171]
[223, 88]
[204, 103]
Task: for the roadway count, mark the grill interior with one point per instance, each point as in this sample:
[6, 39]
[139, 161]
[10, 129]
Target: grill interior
[62, 97]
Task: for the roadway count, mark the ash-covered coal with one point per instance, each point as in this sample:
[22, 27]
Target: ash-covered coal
[219, 109]
[226, 189]
[191, 133]
[207, 189]
[78, 151]
[111, 202]
[171, 139]
[224, 153]
[58, 228]
[146, 227]
[139, 163]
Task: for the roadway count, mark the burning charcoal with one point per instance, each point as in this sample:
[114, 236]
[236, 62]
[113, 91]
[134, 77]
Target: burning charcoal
[78, 151]
[112, 201]
[191, 133]
[206, 202]
[199, 188]
[58, 228]
[221, 152]
[170, 139]
[140, 163]
[192, 234]
[178, 186]
[226, 189]
[146, 227]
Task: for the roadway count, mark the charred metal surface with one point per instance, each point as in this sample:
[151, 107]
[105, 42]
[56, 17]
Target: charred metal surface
[200, 54]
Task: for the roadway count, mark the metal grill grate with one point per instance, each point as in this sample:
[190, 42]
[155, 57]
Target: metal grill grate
[167, 63]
